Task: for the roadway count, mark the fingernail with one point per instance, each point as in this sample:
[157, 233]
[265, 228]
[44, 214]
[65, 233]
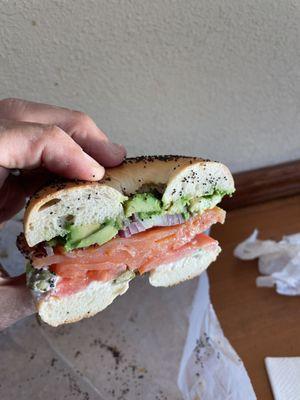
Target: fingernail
[116, 149]
[97, 171]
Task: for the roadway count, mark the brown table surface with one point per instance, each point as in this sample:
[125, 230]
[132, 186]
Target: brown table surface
[257, 321]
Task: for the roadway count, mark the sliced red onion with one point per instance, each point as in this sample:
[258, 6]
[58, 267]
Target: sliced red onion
[49, 250]
[139, 225]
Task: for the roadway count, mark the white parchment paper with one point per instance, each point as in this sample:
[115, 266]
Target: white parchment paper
[210, 368]
[150, 344]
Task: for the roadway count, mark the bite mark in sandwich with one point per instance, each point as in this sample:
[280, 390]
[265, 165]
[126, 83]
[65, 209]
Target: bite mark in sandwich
[86, 241]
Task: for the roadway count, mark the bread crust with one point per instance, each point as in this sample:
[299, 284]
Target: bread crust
[135, 172]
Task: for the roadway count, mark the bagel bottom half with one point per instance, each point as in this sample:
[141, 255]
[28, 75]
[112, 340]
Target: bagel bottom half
[98, 295]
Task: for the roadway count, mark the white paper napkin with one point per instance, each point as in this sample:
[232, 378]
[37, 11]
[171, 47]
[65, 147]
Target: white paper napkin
[279, 262]
[210, 368]
[284, 375]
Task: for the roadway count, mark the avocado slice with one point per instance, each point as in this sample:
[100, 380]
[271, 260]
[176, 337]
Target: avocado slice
[77, 233]
[179, 206]
[142, 203]
[102, 236]
[199, 205]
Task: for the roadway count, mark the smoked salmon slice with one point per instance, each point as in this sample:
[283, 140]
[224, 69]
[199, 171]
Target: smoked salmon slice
[141, 252]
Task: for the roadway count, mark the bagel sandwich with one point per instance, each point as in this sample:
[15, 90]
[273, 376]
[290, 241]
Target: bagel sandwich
[85, 241]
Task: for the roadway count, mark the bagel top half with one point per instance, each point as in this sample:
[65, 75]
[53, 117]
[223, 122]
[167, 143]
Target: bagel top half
[94, 202]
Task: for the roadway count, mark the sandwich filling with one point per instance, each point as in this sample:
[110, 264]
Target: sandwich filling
[141, 211]
[147, 234]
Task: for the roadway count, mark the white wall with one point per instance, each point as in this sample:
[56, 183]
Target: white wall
[215, 78]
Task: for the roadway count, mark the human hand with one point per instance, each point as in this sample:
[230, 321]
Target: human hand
[39, 140]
